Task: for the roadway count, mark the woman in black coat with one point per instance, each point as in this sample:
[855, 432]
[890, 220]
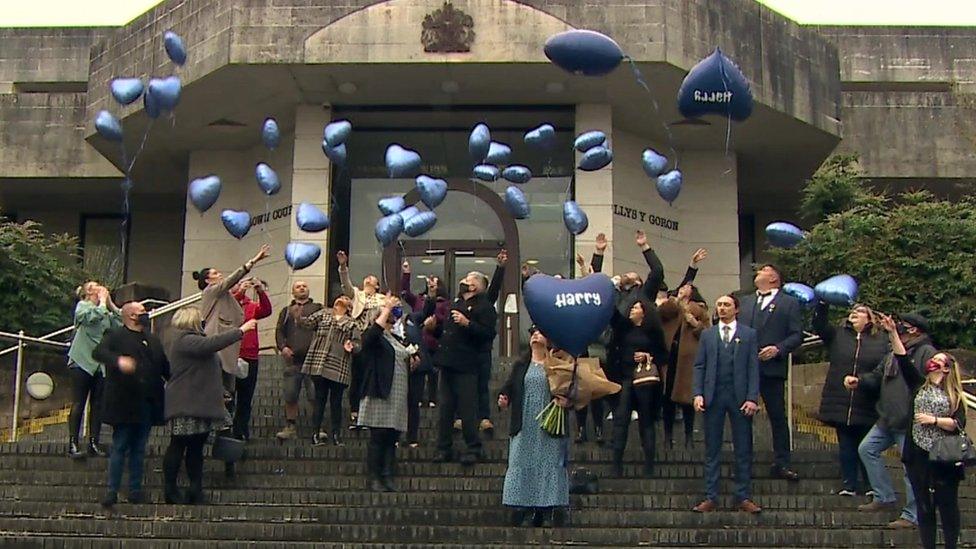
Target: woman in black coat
[938, 411]
[856, 347]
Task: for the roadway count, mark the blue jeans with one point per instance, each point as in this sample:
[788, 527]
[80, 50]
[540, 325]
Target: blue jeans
[877, 441]
[128, 438]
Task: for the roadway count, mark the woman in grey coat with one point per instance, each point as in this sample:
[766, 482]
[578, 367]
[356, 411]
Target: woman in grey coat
[221, 311]
[194, 397]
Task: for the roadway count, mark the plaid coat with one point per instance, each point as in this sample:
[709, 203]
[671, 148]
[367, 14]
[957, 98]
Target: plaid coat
[326, 356]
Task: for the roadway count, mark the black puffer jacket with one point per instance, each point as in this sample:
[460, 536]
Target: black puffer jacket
[851, 354]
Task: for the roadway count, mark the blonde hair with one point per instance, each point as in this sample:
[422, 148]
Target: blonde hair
[188, 319]
[81, 292]
[951, 382]
[874, 321]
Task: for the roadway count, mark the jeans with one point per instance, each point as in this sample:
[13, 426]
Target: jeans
[484, 377]
[84, 388]
[877, 441]
[128, 438]
[244, 395]
[852, 472]
[724, 405]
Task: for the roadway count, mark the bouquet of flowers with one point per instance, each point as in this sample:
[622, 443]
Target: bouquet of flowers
[552, 419]
[578, 381]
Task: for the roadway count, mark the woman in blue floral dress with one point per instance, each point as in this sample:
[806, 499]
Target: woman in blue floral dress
[537, 480]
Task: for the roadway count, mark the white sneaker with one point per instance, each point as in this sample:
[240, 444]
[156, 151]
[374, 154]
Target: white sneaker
[610, 416]
[633, 415]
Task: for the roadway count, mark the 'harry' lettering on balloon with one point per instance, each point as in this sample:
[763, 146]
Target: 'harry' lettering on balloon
[578, 298]
[713, 97]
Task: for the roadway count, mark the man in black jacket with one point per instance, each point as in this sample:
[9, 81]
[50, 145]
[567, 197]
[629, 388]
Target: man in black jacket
[135, 370]
[894, 418]
[293, 341]
[484, 357]
[470, 325]
[776, 318]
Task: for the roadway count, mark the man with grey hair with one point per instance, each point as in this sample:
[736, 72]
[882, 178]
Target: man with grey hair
[466, 330]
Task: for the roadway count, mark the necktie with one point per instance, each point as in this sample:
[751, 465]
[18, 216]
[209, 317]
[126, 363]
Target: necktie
[725, 333]
[762, 299]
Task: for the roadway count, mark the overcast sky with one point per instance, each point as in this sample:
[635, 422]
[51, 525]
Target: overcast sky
[18, 13]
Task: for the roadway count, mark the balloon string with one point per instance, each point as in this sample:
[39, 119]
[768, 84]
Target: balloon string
[728, 119]
[142, 145]
[657, 110]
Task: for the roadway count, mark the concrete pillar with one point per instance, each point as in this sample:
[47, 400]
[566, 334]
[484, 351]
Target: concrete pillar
[594, 189]
[311, 182]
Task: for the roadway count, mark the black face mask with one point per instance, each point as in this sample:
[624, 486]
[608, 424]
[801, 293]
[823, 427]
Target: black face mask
[901, 329]
[144, 320]
[463, 288]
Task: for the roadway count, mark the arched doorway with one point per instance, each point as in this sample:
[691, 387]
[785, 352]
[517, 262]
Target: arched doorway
[456, 257]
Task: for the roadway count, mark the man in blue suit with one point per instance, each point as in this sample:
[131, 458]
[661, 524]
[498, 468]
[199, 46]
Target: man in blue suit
[726, 383]
[777, 320]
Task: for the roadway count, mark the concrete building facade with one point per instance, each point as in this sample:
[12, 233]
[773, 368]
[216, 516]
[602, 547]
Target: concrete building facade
[901, 97]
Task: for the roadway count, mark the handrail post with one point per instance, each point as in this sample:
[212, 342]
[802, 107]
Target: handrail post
[789, 397]
[17, 379]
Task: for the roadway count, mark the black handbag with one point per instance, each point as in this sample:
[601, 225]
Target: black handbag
[954, 449]
[583, 481]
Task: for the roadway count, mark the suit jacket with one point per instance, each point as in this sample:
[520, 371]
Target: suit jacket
[221, 313]
[746, 364]
[779, 324]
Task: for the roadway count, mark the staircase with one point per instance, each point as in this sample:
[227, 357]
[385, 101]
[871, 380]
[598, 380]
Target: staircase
[297, 495]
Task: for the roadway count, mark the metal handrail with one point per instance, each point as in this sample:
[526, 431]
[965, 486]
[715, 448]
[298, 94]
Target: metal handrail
[22, 340]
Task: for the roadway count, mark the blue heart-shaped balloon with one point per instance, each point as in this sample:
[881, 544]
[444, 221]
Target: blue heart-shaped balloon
[486, 172]
[516, 203]
[311, 219]
[517, 174]
[267, 179]
[570, 313]
[165, 92]
[204, 192]
[108, 126]
[337, 132]
[479, 143]
[388, 229]
[653, 163]
[574, 217]
[803, 293]
[715, 86]
[401, 162]
[669, 186]
[335, 154]
[587, 140]
[498, 153]
[299, 255]
[595, 159]
[583, 52]
[419, 224]
[391, 205]
[126, 90]
[407, 213]
[270, 135]
[173, 45]
[236, 222]
[150, 105]
[783, 235]
[840, 290]
[432, 191]
[543, 137]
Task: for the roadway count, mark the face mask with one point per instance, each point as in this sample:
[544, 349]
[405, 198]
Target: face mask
[932, 366]
[397, 312]
[463, 288]
[144, 320]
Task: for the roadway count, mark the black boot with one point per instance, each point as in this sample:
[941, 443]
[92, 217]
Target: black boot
[171, 491]
[518, 516]
[94, 449]
[73, 451]
[374, 466]
[539, 517]
[560, 517]
[580, 435]
[389, 469]
[109, 499]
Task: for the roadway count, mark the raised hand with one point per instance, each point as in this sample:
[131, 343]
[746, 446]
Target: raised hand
[641, 239]
[342, 258]
[701, 254]
[405, 267]
[249, 325]
[601, 244]
[502, 257]
[262, 253]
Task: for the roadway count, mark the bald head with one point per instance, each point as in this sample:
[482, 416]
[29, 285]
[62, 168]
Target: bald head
[131, 312]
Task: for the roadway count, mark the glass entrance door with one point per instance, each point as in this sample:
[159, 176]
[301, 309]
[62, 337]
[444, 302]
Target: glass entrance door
[451, 261]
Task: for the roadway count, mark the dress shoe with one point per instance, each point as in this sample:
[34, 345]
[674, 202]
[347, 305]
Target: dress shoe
[173, 496]
[469, 459]
[876, 506]
[138, 497]
[706, 506]
[785, 473]
[748, 506]
[388, 485]
[109, 499]
[95, 450]
[902, 524]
